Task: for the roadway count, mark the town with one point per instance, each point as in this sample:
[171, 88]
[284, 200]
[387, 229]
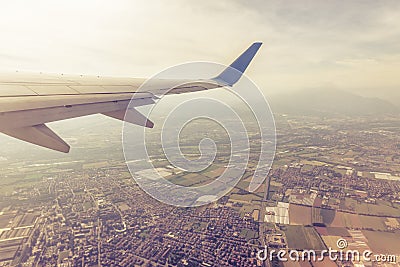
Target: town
[337, 178]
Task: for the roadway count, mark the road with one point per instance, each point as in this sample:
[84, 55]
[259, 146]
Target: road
[262, 225]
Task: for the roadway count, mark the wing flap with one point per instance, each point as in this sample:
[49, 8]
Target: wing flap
[132, 116]
[30, 117]
[40, 135]
[9, 104]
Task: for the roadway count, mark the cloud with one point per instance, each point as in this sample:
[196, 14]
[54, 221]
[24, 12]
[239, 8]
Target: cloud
[350, 45]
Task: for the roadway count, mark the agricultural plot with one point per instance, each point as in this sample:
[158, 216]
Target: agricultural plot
[346, 220]
[383, 242]
[303, 237]
[300, 214]
[382, 208]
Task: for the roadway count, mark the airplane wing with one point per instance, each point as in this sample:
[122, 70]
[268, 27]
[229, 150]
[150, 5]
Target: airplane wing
[28, 102]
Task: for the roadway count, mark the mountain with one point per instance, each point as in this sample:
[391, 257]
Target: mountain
[330, 102]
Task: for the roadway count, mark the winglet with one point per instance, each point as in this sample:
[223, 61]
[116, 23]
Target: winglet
[233, 73]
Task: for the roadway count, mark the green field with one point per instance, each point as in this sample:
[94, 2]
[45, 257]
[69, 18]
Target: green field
[248, 234]
[303, 237]
[372, 222]
[244, 197]
[327, 215]
[10, 183]
[380, 208]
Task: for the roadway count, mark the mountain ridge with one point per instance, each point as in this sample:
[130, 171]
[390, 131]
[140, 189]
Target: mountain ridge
[330, 102]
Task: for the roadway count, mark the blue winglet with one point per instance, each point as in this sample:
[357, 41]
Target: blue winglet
[233, 73]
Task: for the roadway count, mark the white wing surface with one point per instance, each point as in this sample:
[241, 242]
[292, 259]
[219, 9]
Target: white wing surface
[28, 102]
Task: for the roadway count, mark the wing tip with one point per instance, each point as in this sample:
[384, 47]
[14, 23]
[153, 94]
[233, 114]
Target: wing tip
[234, 72]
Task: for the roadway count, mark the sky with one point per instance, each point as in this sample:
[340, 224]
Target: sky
[346, 45]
